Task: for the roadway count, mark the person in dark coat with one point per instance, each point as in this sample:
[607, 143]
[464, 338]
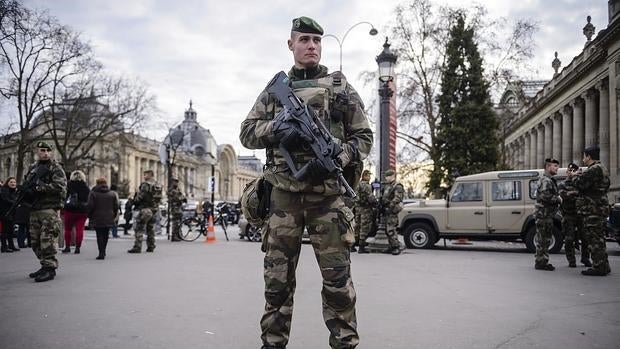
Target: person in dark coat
[22, 219]
[75, 213]
[8, 195]
[102, 208]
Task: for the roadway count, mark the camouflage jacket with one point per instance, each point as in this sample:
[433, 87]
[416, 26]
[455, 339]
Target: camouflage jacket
[569, 195]
[547, 197]
[175, 200]
[593, 185]
[149, 195]
[352, 131]
[52, 188]
[365, 197]
[392, 195]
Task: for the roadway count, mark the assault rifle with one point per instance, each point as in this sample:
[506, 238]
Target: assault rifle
[25, 192]
[304, 119]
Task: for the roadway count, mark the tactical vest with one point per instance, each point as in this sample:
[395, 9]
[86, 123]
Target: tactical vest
[150, 195]
[322, 96]
[387, 195]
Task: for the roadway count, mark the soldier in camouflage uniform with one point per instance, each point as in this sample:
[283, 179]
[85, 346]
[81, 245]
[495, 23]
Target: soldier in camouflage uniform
[175, 204]
[147, 202]
[571, 220]
[593, 185]
[45, 188]
[547, 203]
[391, 202]
[316, 203]
[365, 205]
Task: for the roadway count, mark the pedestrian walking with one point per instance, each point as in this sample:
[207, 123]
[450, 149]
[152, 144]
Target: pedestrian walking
[8, 195]
[315, 203]
[102, 208]
[75, 213]
[45, 188]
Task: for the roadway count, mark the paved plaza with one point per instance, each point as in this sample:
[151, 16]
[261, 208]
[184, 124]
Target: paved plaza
[197, 295]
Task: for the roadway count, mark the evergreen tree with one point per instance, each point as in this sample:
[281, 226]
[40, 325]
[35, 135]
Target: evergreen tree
[467, 137]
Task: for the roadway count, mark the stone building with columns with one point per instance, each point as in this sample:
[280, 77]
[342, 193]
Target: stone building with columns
[123, 157]
[578, 107]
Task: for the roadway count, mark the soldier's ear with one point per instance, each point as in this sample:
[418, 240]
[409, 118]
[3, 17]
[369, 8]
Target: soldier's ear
[289, 42]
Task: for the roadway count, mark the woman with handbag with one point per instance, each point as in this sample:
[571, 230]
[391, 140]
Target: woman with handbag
[75, 213]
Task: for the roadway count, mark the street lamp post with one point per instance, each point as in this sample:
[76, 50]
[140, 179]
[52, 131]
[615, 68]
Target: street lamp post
[373, 31]
[386, 61]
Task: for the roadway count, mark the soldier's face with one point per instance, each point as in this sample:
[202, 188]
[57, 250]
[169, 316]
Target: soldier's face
[44, 154]
[586, 159]
[306, 49]
[552, 168]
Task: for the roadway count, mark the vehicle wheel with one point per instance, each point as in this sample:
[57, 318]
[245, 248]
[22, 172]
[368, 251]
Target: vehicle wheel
[555, 245]
[190, 230]
[253, 233]
[420, 235]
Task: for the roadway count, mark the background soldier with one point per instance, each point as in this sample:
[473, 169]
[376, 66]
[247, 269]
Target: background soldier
[593, 185]
[391, 202]
[45, 188]
[547, 202]
[364, 211]
[570, 218]
[147, 202]
[315, 203]
[175, 202]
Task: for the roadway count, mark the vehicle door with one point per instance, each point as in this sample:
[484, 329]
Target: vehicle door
[506, 206]
[467, 211]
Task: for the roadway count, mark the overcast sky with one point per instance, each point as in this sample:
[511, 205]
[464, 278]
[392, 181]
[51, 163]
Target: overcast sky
[221, 54]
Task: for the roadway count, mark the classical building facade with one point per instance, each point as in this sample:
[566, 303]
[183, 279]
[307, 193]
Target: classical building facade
[123, 158]
[578, 107]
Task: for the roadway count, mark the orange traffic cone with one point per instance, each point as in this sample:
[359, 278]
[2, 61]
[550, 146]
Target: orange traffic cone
[210, 231]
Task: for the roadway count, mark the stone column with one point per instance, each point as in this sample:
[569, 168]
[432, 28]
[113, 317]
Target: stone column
[527, 153]
[522, 153]
[549, 131]
[557, 137]
[578, 139]
[591, 119]
[603, 127]
[567, 135]
[540, 146]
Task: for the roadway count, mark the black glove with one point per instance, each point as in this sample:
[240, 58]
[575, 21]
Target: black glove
[316, 171]
[28, 191]
[287, 135]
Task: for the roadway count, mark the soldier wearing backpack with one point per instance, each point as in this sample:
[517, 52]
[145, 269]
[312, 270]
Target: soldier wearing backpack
[147, 202]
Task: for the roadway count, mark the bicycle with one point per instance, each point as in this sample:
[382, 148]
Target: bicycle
[197, 225]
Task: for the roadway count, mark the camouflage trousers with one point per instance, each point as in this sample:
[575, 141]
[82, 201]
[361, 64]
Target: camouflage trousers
[44, 232]
[544, 231]
[593, 230]
[144, 224]
[175, 224]
[572, 228]
[391, 224]
[364, 223]
[329, 223]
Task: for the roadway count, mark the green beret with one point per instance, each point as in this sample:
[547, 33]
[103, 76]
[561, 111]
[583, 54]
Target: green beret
[43, 145]
[305, 24]
[389, 173]
[173, 179]
[552, 161]
[148, 171]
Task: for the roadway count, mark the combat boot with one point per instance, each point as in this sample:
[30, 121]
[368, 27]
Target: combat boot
[135, 250]
[594, 272]
[396, 251]
[362, 249]
[572, 265]
[547, 267]
[47, 275]
[150, 249]
[36, 273]
[586, 262]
